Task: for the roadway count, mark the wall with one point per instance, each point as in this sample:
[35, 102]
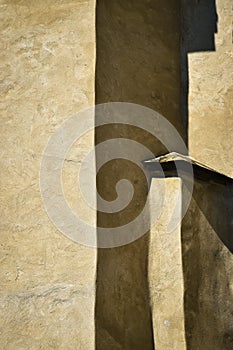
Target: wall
[138, 61]
[47, 281]
[47, 56]
[208, 265]
[210, 83]
[207, 261]
[165, 268]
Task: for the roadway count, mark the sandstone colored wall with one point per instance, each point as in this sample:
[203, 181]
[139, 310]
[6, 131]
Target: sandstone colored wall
[150, 76]
[211, 94]
[48, 51]
[207, 262]
[166, 270]
[47, 291]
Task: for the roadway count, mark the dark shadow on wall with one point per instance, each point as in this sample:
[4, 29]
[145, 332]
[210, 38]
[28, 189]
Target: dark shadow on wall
[208, 222]
[216, 203]
[207, 237]
[138, 61]
[207, 247]
[199, 24]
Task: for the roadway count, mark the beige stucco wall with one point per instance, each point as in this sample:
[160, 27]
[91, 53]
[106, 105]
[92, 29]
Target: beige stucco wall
[208, 263]
[47, 74]
[210, 97]
[165, 269]
[47, 294]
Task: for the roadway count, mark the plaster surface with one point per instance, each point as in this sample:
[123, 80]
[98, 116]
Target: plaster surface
[138, 61]
[47, 291]
[211, 93]
[207, 260]
[47, 295]
[166, 271]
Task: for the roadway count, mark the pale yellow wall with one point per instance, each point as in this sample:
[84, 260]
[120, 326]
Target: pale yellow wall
[48, 282]
[47, 75]
[208, 263]
[211, 96]
[166, 270]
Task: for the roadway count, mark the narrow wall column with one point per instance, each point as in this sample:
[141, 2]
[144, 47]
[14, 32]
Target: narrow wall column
[165, 270]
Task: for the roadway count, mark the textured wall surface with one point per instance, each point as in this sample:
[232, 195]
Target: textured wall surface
[211, 93]
[208, 268]
[207, 261]
[138, 61]
[47, 293]
[47, 75]
[166, 271]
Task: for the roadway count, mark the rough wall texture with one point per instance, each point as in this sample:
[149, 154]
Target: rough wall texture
[47, 75]
[166, 270]
[138, 61]
[208, 268]
[211, 92]
[46, 298]
[208, 263]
